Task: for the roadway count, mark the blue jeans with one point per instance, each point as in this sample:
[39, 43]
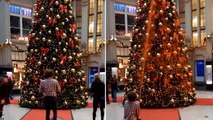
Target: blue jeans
[114, 95]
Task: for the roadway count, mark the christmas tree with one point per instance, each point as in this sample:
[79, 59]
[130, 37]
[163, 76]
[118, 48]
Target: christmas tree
[158, 66]
[54, 44]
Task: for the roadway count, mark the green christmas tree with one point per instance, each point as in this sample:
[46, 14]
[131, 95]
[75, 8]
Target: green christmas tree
[54, 44]
[158, 66]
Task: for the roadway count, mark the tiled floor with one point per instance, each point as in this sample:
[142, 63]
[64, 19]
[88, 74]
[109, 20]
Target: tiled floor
[115, 111]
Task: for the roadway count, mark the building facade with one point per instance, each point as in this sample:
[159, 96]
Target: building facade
[16, 22]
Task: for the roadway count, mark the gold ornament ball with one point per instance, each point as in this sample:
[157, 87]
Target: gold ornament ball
[44, 39]
[54, 59]
[63, 23]
[172, 100]
[59, 43]
[65, 1]
[36, 102]
[51, 9]
[63, 71]
[58, 16]
[168, 30]
[40, 33]
[168, 67]
[161, 11]
[190, 74]
[49, 31]
[185, 99]
[66, 19]
[173, 12]
[65, 102]
[33, 34]
[56, 3]
[168, 44]
[175, 52]
[79, 73]
[47, 16]
[174, 24]
[65, 80]
[49, 41]
[36, 14]
[158, 55]
[78, 101]
[70, 12]
[142, 59]
[36, 50]
[73, 70]
[70, 57]
[81, 87]
[65, 50]
[178, 65]
[56, 72]
[42, 8]
[65, 35]
[39, 62]
[45, 58]
[171, 76]
[33, 97]
[56, 28]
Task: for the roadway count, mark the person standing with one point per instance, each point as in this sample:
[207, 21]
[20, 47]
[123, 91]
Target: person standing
[98, 90]
[132, 107]
[49, 87]
[7, 86]
[107, 91]
[114, 88]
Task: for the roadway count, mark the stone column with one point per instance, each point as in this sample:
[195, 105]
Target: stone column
[5, 51]
[84, 28]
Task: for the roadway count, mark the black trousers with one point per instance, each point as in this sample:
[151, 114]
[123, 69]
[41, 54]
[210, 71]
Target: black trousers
[98, 102]
[50, 104]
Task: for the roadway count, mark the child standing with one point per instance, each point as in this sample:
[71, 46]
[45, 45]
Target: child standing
[131, 107]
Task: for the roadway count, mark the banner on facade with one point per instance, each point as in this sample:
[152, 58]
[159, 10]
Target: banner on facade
[92, 71]
[199, 68]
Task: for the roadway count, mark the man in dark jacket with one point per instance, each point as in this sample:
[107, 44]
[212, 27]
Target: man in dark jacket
[114, 88]
[6, 86]
[98, 90]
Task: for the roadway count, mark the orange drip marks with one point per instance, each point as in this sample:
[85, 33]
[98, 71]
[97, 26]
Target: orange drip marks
[150, 32]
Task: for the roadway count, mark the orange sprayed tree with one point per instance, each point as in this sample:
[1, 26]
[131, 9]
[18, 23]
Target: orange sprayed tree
[158, 69]
[54, 44]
